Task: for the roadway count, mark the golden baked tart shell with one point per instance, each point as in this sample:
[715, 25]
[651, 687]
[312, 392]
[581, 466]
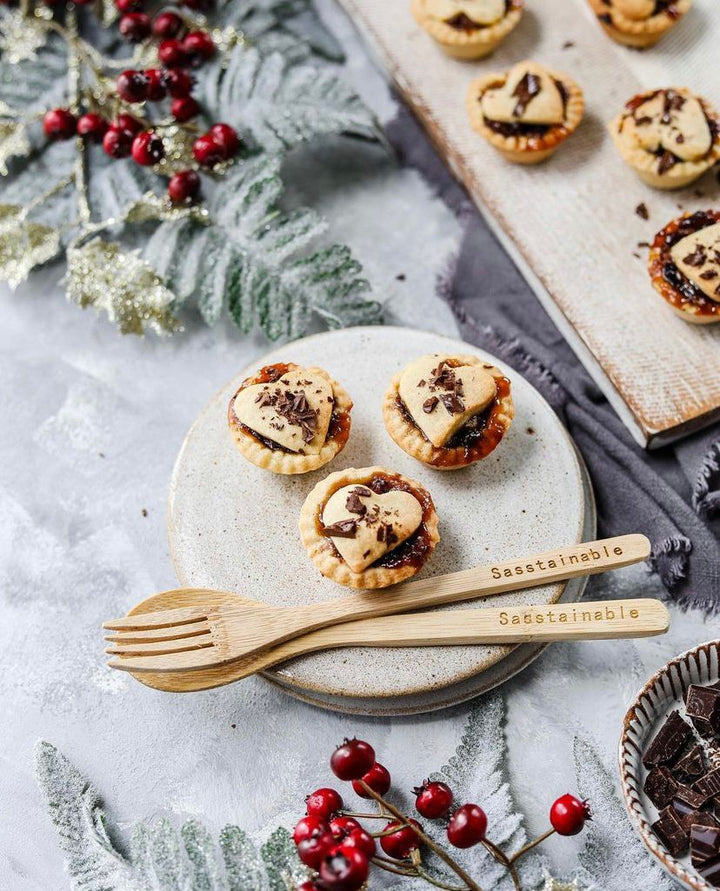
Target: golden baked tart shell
[411, 439]
[325, 556]
[468, 44]
[638, 33]
[644, 163]
[279, 460]
[657, 258]
[525, 149]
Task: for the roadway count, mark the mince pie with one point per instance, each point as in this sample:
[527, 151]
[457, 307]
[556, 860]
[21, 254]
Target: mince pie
[684, 266]
[290, 419]
[468, 29]
[526, 112]
[639, 23]
[368, 528]
[670, 137]
[448, 411]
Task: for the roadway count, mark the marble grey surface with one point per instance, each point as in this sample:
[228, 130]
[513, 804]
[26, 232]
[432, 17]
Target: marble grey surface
[93, 423]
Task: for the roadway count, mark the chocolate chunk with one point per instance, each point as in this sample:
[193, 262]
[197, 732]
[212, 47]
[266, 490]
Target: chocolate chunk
[568, 44]
[711, 873]
[422, 383]
[527, 88]
[354, 505]
[667, 160]
[342, 529]
[660, 787]
[709, 785]
[430, 404]
[642, 211]
[687, 804]
[704, 844]
[451, 402]
[670, 831]
[703, 703]
[679, 139]
[391, 536]
[668, 742]
[362, 491]
[691, 765]
[643, 120]
[697, 258]
[708, 275]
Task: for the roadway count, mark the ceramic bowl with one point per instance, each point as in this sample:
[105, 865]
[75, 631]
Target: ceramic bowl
[664, 692]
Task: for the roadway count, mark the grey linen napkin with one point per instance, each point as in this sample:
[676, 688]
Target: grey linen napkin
[671, 494]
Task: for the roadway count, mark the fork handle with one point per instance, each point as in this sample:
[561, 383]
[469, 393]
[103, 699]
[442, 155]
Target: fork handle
[586, 558]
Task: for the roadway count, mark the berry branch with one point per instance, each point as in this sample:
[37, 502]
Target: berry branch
[340, 851]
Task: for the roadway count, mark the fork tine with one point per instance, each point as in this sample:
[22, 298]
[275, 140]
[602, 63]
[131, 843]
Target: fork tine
[166, 618]
[174, 632]
[190, 659]
[158, 647]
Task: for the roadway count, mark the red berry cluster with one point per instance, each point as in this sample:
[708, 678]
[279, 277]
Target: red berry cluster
[339, 850]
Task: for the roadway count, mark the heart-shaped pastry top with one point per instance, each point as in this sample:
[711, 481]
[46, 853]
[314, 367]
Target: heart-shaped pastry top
[697, 256]
[364, 525]
[482, 12]
[671, 121]
[529, 95]
[293, 411]
[635, 9]
[441, 398]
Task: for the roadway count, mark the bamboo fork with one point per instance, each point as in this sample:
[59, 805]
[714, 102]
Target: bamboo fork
[197, 637]
[602, 620]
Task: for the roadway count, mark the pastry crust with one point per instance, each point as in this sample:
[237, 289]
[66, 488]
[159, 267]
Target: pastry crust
[326, 557]
[645, 163]
[701, 310]
[639, 33]
[522, 149]
[461, 44]
[279, 460]
[410, 438]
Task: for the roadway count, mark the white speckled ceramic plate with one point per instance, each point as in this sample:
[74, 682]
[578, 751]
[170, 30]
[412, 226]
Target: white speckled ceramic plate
[233, 526]
[663, 693]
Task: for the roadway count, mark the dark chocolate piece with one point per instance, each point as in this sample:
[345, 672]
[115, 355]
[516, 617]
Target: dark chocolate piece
[660, 787]
[354, 505]
[687, 804]
[691, 765]
[642, 211]
[704, 844]
[342, 529]
[704, 702]
[709, 785]
[669, 741]
[711, 873]
[429, 404]
[671, 832]
[527, 88]
[451, 402]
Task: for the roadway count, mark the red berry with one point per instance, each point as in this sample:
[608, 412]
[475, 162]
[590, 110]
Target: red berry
[354, 758]
[344, 869]
[155, 84]
[199, 46]
[401, 843]
[184, 109]
[172, 54]
[568, 815]
[207, 152]
[323, 803]
[314, 849]
[467, 826]
[360, 839]
[433, 800]
[342, 826]
[125, 6]
[147, 148]
[135, 26]
[59, 123]
[132, 86]
[127, 123]
[306, 826]
[184, 187]
[167, 25]
[117, 142]
[94, 126]
[179, 83]
[228, 140]
[378, 778]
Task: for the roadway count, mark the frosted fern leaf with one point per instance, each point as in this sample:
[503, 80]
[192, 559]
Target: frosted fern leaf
[20, 38]
[14, 142]
[120, 284]
[613, 858]
[282, 104]
[23, 244]
[39, 81]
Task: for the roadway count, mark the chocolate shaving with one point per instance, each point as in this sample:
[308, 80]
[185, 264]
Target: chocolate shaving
[362, 491]
[527, 88]
[342, 529]
[452, 403]
[697, 258]
[354, 505]
[667, 160]
[708, 275]
[642, 211]
[672, 102]
[430, 404]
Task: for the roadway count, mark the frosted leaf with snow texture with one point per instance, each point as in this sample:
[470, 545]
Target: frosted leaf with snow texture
[23, 245]
[13, 143]
[614, 857]
[20, 38]
[282, 104]
[120, 284]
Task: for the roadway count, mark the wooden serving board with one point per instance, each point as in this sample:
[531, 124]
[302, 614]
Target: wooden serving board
[570, 224]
